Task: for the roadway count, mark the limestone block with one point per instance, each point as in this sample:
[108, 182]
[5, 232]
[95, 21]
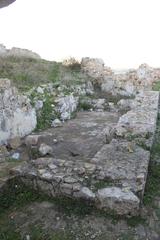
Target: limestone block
[117, 200]
[17, 117]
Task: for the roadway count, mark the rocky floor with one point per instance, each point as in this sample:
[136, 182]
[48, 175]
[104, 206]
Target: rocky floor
[100, 157]
[35, 217]
[80, 138]
[24, 214]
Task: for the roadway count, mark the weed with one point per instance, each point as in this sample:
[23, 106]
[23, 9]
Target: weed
[73, 115]
[103, 184]
[76, 207]
[15, 194]
[152, 188]
[84, 104]
[134, 221]
[156, 149]
[11, 160]
[38, 233]
[157, 211]
[63, 235]
[44, 117]
[54, 74]
[34, 153]
[8, 233]
[126, 236]
[141, 143]
[156, 86]
[153, 184]
[26, 72]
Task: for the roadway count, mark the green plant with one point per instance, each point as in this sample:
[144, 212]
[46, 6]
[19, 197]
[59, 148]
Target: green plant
[54, 74]
[8, 233]
[152, 188]
[156, 149]
[153, 184]
[45, 115]
[126, 236]
[27, 73]
[103, 184]
[141, 143]
[15, 194]
[38, 233]
[63, 235]
[84, 104]
[34, 153]
[134, 221]
[156, 86]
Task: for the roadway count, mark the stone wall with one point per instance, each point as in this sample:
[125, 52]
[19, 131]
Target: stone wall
[114, 178]
[17, 117]
[125, 83]
[17, 52]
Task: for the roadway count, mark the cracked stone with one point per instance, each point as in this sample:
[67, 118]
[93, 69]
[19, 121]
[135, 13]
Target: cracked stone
[114, 198]
[70, 180]
[44, 149]
[85, 193]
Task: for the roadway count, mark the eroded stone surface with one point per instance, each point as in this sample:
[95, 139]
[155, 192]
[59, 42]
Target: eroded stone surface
[80, 138]
[126, 83]
[17, 117]
[123, 163]
[66, 106]
[141, 120]
[118, 200]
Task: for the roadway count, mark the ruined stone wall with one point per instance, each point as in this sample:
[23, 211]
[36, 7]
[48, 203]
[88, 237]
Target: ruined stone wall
[121, 163]
[125, 83]
[17, 117]
[17, 52]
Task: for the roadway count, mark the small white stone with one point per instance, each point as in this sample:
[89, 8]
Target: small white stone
[40, 90]
[39, 104]
[85, 193]
[47, 175]
[16, 156]
[70, 180]
[52, 166]
[28, 237]
[44, 149]
[56, 123]
[41, 171]
[55, 140]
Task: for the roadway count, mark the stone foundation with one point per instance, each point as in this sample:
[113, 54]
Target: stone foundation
[114, 178]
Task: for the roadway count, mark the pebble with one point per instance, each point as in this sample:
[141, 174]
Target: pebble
[15, 156]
